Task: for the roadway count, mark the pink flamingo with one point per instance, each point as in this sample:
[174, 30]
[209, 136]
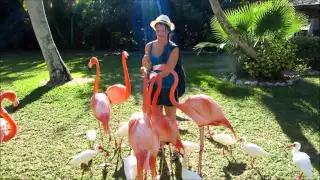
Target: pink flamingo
[119, 93]
[100, 103]
[11, 96]
[167, 129]
[203, 110]
[143, 139]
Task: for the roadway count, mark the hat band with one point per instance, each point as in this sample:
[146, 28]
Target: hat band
[165, 22]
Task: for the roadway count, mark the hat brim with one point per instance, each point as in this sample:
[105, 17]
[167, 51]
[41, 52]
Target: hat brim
[153, 24]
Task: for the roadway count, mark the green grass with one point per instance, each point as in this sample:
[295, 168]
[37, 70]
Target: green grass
[53, 121]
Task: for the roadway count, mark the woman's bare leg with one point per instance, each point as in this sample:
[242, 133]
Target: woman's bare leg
[171, 114]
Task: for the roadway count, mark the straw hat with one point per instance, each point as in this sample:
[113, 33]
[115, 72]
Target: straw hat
[164, 19]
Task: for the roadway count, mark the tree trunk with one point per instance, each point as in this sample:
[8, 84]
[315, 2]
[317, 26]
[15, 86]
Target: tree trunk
[58, 71]
[228, 28]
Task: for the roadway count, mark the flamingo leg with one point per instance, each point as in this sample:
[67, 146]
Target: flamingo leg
[201, 150]
[230, 150]
[119, 115]
[209, 132]
[153, 164]
[252, 162]
[171, 154]
[162, 160]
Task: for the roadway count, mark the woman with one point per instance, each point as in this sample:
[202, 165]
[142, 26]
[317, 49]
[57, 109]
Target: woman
[161, 51]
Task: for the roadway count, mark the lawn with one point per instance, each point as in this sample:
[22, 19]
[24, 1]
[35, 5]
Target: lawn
[53, 120]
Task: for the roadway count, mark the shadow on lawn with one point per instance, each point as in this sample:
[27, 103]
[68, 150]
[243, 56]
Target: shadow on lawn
[199, 78]
[233, 168]
[31, 97]
[19, 62]
[295, 107]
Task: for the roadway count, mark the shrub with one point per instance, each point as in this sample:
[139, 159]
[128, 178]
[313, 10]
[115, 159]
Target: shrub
[308, 49]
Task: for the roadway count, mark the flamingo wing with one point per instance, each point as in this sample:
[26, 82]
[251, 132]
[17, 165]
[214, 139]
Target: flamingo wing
[116, 93]
[203, 109]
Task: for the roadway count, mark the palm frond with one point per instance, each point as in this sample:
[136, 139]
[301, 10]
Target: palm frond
[202, 45]
[273, 18]
[298, 21]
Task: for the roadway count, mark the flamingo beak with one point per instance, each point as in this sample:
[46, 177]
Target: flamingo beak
[16, 103]
[291, 145]
[227, 124]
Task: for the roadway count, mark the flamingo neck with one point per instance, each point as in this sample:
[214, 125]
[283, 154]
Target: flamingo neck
[126, 77]
[96, 81]
[152, 81]
[145, 95]
[12, 124]
[173, 89]
[156, 96]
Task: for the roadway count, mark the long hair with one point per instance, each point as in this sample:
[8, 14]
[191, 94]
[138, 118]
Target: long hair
[168, 29]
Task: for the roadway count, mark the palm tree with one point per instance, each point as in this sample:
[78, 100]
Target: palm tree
[58, 71]
[256, 22]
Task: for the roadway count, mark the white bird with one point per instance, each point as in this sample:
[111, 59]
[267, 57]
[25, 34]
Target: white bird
[91, 135]
[85, 156]
[123, 130]
[189, 147]
[252, 150]
[187, 174]
[301, 160]
[130, 166]
[224, 139]
[3, 129]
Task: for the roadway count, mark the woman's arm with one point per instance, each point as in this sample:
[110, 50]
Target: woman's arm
[172, 61]
[146, 59]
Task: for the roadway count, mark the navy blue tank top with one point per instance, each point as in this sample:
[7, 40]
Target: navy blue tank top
[167, 82]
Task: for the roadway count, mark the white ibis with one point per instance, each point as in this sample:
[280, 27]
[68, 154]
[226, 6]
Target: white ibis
[84, 157]
[130, 166]
[123, 130]
[301, 160]
[189, 147]
[91, 135]
[187, 174]
[224, 139]
[252, 150]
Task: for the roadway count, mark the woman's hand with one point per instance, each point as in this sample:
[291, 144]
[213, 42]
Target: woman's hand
[145, 60]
